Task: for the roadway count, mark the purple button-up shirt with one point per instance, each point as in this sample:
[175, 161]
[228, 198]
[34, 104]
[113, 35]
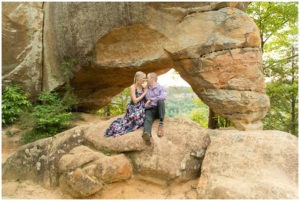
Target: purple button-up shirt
[155, 94]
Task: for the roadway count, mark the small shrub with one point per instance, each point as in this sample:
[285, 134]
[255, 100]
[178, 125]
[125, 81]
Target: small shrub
[49, 117]
[33, 135]
[26, 120]
[14, 102]
[117, 106]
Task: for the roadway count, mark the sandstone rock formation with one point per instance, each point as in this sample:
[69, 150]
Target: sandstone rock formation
[250, 165]
[214, 46]
[185, 139]
[177, 156]
[22, 45]
[84, 171]
[81, 160]
[231, 164]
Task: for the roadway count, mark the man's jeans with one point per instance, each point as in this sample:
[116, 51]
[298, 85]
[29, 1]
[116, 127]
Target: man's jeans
[157, 112]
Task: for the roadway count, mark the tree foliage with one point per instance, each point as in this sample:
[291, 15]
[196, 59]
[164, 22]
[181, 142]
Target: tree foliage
[49, 117]
[180, 101]
[200, 113]
[117, 106]
[278, 24]
[14, 102]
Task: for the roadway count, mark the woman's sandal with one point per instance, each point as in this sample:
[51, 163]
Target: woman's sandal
[160, 131]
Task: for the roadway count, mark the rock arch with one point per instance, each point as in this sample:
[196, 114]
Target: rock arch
[214, 47]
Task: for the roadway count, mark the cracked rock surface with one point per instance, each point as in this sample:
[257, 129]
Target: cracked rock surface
[228, 164]
[213, 46]
[81, 160]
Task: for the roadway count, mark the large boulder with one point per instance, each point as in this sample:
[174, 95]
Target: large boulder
[231, 164]
[39, 161]
[184, 139]
[81, 160]
[156, 37]
[214, 46]
[130, 142]
[176, 156]
[250, 165]
[22, 45]
[84, 171]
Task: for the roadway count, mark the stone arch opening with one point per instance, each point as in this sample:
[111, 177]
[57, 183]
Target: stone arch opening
[229, 81]
[181, 101]
[214, 47]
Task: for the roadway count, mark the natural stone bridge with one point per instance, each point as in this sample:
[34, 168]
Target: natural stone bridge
[215, 47]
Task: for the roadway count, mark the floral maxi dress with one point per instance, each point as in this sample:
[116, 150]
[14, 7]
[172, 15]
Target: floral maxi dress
[133, 119]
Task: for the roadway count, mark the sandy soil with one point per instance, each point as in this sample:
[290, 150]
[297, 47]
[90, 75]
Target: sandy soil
[138, 189]
[134, 188]
[10, 144]
[130, 189]
[29, 190]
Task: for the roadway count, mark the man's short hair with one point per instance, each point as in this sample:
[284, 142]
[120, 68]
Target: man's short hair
[152, 74]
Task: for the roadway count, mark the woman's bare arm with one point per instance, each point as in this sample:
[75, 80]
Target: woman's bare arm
[134, 99]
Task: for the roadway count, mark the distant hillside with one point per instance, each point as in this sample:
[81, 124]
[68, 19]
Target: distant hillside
[179, 101]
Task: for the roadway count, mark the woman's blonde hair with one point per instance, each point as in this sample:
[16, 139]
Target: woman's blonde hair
[138, 76]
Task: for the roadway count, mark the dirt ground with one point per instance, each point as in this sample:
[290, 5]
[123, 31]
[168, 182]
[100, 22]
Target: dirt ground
[130, 189]
[135, 188]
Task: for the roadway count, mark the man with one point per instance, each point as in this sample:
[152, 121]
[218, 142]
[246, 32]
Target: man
[155, 107]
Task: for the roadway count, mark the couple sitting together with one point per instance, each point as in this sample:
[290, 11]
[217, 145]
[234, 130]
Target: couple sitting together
[146, 105]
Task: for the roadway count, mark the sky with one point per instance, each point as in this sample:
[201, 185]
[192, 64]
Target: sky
[172, 79]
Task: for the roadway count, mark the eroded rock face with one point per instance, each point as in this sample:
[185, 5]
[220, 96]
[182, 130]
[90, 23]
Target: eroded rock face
[22, 31]
[176, 156]
[39, 161]
[81, 159]
[214, 46]
[231, 164]
[185, 140]
[250, 165]
[84, 171]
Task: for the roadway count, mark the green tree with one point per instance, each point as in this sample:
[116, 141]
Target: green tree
[14, 102]
[200, 113]
[180, 101]
[49, 117]
[117, 106]
[278, 24]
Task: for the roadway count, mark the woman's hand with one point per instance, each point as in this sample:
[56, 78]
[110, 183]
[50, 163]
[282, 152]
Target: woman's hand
[146, 90]
[145, 85]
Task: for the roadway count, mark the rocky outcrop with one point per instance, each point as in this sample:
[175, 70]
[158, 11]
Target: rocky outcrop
[84, 171]
[22, 31]
[176, 156]
[186, 142]
[38, 161]
[231, 164]
[250, 165]
[82, 160]
[214, 46]
[127, 143]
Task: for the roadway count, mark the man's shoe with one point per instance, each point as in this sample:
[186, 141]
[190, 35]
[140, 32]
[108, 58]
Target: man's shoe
[146, 138]
[160, 131]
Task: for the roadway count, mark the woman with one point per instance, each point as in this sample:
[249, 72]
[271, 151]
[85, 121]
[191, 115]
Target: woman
[135, 111]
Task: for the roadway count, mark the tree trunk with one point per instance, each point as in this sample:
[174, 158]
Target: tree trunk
[293, 102]
[107, 111]
[212, 121]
